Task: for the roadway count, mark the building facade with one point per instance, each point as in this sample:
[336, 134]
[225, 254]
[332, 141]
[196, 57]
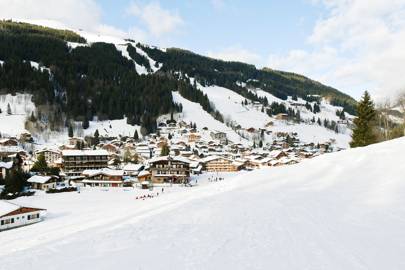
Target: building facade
[52, 157]
[13, 216]
[169, 170]
[220, 164]
[76, 161]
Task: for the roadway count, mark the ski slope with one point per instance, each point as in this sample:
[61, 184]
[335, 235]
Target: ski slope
[193, 112]
[344, 210]
[229, 104]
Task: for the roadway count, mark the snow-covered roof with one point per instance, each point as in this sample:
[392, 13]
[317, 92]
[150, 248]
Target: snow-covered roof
[99, 152]
[105, 171]
[40, 179]
[6, 165]
[132, 167]
[143, 173]
[164, 158]
[211, 158]
[7, 207]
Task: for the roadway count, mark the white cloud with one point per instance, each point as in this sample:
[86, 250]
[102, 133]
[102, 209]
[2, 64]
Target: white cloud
[74, 13]
[357, 46]
[236, 53]
[158, 21]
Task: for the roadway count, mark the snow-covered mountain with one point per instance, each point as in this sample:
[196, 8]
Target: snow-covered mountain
[240, 93]
[339, 211]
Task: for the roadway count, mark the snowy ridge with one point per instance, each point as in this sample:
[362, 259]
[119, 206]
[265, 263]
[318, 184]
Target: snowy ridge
[333, 212]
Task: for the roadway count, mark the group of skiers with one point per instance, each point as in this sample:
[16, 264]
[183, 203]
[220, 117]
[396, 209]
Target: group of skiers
[148, 196]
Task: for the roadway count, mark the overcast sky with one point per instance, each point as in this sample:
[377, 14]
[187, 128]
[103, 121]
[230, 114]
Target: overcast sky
[353, 45]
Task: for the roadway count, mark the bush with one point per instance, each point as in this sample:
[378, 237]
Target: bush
[66, 189]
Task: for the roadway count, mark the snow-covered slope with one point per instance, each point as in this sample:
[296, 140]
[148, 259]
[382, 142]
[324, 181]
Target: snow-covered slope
[339, 211]
[21, 106]
[229, 103]
[193, 112]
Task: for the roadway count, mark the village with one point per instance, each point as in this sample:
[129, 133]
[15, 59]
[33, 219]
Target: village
[175, 154]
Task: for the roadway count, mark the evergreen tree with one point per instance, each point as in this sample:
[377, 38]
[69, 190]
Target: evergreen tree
[40, 165]
[96, 137]
[15, 181]
[317, 109]
[165, 150]
[85, 123]
[363, 132]
[260, 144]
[32, 117]
[169, 136]
[70, 131]
[8, 109]
[136, 136]
[319, 121]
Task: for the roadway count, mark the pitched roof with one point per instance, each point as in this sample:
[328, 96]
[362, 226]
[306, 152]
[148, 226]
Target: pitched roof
[99, 152]
[104, 171]
[6, 207]
[6, 165]
[40, 179]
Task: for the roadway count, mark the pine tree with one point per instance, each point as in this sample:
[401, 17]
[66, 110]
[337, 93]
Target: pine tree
[96, 137]
[8, 109]
[32, 117]
[165, 150]
[363, 132]
[260, 144]
[70, 131]
[40, 165]
[85, 123]
[136, 136]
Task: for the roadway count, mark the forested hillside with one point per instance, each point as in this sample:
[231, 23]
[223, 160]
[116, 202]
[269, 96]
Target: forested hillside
[227, 74]
[84, 82]
[79, 83]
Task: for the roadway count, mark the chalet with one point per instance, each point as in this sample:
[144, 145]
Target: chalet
[218, 135]
[131, 169]
[169, 169]
[75, 141]
[144, 150]
[13, 215]
[220, 164]
[9, 153]
[42, 182]
[277, 154]
[76, 161]
[26, 137]
[8, 142]
[144, 176]
[52, 157]
[195, 167]
[110, 148]
[103, 178]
